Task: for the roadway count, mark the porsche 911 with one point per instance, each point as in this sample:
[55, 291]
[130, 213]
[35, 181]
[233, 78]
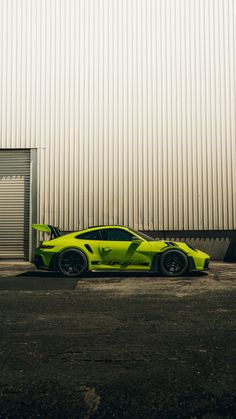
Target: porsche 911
[115, 248]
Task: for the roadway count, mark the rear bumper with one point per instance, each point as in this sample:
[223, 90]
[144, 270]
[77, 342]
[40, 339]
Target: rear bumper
[39, 263]
[45, 261]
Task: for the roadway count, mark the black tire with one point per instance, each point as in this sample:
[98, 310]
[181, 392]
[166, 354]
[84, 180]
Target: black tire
[173, 263]
[72, 263]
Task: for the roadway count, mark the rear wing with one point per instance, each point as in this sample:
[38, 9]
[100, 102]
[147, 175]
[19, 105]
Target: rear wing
[47, 228]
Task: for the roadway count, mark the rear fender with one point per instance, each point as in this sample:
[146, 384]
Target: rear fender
[55, 257]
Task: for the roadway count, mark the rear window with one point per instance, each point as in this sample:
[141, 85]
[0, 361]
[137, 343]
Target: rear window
[89, 235]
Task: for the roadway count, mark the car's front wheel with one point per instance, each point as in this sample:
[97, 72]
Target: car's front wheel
[72, 262]
[173, 263]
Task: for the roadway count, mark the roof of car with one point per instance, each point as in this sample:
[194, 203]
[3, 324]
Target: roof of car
[108, 226]
[74, 233]
[102, 226]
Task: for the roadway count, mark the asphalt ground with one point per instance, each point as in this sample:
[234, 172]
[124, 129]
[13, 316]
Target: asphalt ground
[117, 346]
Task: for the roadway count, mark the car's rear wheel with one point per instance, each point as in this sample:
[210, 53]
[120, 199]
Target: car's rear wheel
[72, 263]
[173, 263]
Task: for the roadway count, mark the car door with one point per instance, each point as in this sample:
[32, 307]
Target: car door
[119, 250]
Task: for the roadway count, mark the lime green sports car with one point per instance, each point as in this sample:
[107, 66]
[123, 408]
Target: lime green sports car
[115, 248]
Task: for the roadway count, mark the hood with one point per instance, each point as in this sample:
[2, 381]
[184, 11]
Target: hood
[161, 245]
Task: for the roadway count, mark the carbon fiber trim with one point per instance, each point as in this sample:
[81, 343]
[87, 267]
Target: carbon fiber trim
[191, 264]
[53, 263]
[206, 264]
[155, 263]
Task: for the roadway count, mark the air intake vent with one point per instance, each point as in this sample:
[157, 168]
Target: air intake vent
[88, 248]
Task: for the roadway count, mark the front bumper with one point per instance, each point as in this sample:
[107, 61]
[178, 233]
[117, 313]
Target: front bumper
[198, 265]
[201, 260]
[206, 264]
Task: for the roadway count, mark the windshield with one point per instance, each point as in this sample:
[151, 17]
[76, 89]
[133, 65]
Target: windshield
[143, 235]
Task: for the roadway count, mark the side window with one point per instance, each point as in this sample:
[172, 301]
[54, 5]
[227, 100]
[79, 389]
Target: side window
[89, 235]
[115, 234]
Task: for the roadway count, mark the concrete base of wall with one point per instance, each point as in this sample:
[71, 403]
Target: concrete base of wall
[221, 245]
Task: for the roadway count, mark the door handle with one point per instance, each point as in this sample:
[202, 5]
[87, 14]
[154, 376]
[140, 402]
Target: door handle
[107, 249]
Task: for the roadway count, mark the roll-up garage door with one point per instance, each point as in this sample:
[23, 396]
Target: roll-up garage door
[14, 203]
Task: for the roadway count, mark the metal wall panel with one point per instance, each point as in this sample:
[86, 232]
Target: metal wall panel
[131, 105]
[14, 203]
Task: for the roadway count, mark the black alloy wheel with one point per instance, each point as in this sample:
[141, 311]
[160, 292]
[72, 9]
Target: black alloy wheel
[72, 262]
[173, 263]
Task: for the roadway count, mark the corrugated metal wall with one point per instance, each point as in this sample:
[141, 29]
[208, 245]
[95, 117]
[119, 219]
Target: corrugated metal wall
[131, 105]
